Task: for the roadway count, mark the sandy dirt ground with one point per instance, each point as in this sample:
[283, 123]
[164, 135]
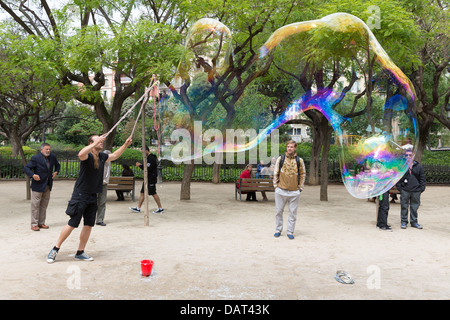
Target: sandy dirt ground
[216, 248]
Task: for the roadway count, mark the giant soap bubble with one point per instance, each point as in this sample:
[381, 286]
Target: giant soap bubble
[335, 66]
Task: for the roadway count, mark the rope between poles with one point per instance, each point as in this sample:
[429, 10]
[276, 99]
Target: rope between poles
[145, 96]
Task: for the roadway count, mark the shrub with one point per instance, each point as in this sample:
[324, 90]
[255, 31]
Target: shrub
[7, 151]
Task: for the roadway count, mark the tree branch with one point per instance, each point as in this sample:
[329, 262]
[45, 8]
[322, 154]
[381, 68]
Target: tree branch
[50, 17]
[16, 18]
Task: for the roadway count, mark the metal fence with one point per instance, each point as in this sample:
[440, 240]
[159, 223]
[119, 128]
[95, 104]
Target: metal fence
[12, 168]
[436, 174]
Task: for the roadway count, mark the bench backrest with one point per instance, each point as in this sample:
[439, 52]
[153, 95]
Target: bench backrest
[121, 180]
[256, 184]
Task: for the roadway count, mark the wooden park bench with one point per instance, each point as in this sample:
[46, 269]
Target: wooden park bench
[122, 183]
[394, 190]
[250, 185]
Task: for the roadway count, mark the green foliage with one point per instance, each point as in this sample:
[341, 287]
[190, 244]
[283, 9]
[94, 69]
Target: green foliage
[58, 146]
[131, 154]
[436, 157]
[252, 110]
[145, 47]
[303, 150]
[7, 151]
[74, 115]
[85, 129]
[394, 26]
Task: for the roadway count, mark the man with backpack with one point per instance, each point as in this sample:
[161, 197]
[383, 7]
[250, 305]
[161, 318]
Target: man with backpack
[288, 181]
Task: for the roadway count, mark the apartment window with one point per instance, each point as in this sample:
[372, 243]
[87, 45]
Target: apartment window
[296, 131]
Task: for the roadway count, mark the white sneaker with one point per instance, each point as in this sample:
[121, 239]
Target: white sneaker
[51, 256]
[83, 256]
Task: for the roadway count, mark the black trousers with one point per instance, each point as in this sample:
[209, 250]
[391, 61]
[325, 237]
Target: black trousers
[251, 196]
[383, 210]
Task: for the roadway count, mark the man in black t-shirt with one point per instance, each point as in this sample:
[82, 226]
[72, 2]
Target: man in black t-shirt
[152, 175]
[83, 203]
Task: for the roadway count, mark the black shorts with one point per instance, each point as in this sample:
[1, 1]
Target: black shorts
[82, 206]
[151, 189]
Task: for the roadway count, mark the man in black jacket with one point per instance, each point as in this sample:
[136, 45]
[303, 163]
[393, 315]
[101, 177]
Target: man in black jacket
[411, 185]
[42, 169]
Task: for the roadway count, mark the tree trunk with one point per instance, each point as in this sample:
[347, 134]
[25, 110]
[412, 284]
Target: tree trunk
[314, 162]
[185, 193]
[109, 141]
[216, 173]
[16, 143]
[317, 118]
[425, 122]
[326, 137]
[27, 180]
[17, 149]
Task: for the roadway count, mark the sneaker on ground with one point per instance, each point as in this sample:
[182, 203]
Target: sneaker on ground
[158, 211]
[51, 256]
[135, 209]
[387, 228]
[83, 256]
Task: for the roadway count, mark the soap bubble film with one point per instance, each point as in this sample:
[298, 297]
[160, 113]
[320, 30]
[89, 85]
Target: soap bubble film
[335, 66]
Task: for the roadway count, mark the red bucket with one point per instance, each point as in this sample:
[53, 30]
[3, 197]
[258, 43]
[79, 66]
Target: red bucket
[146, 267]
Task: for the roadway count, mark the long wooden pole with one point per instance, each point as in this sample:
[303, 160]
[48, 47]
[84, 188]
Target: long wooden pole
[144, 155]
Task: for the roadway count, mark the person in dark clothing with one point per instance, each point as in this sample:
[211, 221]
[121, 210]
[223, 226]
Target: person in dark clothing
[383, 211]
[259, 167]
[126, 172]
[411, 186]
[152, 175]
[42, 169]
[83, 203]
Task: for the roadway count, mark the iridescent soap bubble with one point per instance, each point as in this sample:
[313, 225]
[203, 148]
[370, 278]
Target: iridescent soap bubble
[336, 67]
[206, 57]
[352, 64]
[208, 47]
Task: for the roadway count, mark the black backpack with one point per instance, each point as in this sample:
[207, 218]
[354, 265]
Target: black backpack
[297, 158]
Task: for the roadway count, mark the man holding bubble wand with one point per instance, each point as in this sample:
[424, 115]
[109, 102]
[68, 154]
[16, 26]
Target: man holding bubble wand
[83, 203]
